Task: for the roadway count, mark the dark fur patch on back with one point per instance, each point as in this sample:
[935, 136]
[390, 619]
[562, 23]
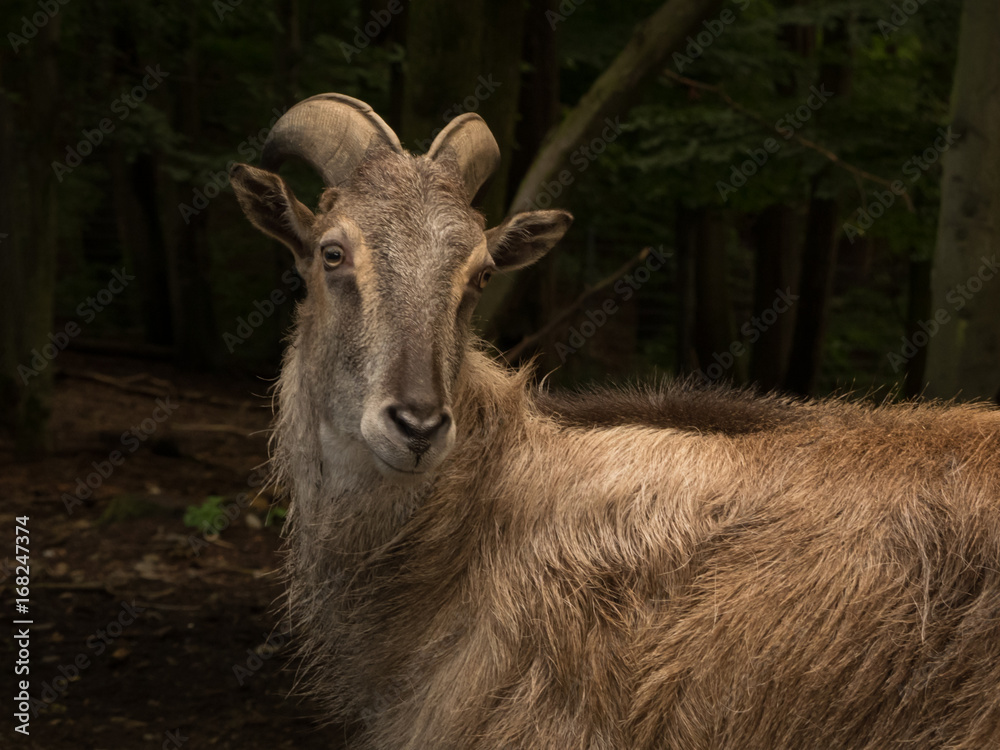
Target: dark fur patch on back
[682, 405]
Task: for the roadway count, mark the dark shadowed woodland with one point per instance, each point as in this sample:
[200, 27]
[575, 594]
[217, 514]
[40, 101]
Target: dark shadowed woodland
[787, 195]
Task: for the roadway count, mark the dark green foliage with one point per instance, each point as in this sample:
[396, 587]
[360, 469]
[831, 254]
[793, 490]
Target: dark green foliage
[134, 201]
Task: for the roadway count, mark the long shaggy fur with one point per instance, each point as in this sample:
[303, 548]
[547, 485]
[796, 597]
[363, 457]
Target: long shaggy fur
[673, 569]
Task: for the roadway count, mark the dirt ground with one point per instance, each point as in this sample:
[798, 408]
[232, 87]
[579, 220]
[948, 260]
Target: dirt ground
[146, 634]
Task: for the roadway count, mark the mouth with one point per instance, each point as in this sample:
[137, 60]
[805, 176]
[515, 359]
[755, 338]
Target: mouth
[391, 470]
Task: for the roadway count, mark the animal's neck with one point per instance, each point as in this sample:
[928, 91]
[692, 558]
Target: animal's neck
[340, 499]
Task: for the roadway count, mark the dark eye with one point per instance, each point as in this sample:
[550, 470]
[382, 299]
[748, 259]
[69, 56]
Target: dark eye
[484, 278]
[333, 255]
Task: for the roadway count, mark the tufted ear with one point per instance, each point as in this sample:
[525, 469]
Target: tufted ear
[271, 206]
[524, 238]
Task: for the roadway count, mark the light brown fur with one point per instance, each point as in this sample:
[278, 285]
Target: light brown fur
[832, 581]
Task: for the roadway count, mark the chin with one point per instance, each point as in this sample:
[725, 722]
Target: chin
[404, 476]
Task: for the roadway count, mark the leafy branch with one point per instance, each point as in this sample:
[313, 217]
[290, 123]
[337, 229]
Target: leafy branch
[859, 174]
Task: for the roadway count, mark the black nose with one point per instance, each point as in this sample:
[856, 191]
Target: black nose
[419, 424]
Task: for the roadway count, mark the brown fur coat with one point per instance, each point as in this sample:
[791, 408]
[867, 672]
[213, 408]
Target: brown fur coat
[670, 569]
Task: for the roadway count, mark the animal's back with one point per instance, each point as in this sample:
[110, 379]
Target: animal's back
[847, 597]
[829, 579]
[678, 404]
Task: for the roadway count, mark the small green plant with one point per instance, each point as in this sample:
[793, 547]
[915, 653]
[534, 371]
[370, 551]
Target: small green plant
[275, 515]
[206, 517]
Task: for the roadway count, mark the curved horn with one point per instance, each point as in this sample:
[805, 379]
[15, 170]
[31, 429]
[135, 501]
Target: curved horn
[330, 132]
[470, 141]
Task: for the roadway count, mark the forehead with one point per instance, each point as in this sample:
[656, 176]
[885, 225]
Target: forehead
[403, 202]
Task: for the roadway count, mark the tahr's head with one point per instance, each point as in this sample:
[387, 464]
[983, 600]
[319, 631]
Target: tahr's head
[394, 260]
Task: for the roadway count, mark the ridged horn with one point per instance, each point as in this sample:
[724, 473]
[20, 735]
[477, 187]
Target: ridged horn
[470, 141]
[331, 133]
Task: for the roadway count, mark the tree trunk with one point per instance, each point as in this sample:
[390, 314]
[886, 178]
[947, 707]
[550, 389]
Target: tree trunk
[615, 89]
[192, 310]
[539, 108]
[714, 333]
[539, 97]
[288, 52]
[777, 259]
[135, 203]
[819, 260]
[964, 355]
[478, 70]
[776, 274]
[686, 242]
[28, 233]
[610, 97]
[919, 309]
[392, 35]
[288, 48]
[140, 233]
[819, 251]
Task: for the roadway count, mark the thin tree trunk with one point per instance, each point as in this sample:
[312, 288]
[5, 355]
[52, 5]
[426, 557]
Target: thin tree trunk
[964, 355]
[539, 108]
[288, 48]
[28, 231]
[136, 208]
[478, 70]
[288, 52]
[392, 35]
[777, 262]
[539, 96]
[610, 97]
[714, 333]
[819, 251]
[613, 92]
[686, 241]
[776, 274]
[140, 233]
[191, 292]
[816, 285]
[919, 310]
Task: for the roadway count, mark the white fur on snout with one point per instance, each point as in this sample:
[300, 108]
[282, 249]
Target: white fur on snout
[347, 461]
